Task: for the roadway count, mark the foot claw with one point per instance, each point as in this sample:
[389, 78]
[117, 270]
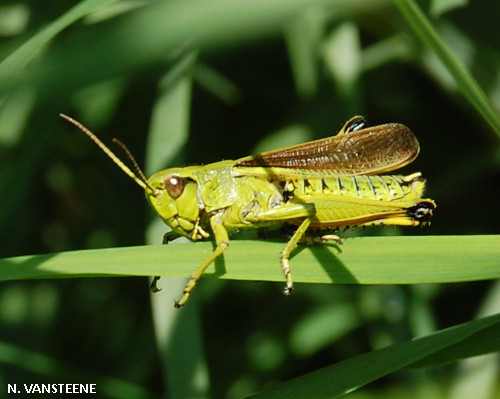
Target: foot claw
[154, 286]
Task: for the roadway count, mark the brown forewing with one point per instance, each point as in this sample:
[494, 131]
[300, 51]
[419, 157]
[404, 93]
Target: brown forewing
[371, 150]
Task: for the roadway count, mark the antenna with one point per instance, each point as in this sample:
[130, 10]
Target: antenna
[132, 160]
[141, 180]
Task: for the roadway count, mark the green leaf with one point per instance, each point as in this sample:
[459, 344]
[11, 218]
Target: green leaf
[153, 33]
[181, 354]
[344, 377]
[23, 54]
[465, 81]
[368, 260]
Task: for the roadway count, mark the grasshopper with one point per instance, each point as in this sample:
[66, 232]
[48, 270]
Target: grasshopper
[324, 184]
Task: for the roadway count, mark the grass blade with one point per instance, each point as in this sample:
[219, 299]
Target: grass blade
[344, 377]
[23, 54]
[465, 81]
[368, 260]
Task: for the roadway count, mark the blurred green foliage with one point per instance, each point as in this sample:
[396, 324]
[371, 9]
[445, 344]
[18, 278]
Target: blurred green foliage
[191, 82]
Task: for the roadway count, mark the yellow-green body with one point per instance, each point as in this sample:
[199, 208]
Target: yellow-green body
[243, 201]
[324, 184]
[315, 186]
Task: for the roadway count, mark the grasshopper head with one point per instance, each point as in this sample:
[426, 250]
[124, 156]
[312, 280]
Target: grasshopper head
[172, 192]
[174, 196]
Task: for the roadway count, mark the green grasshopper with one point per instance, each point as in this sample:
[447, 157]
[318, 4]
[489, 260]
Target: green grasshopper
[317, 186]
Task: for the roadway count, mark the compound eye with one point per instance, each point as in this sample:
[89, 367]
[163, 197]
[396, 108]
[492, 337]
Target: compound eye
[175, 186]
